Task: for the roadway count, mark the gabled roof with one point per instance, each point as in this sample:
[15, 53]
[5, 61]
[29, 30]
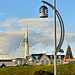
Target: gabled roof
[37, 55]
[62, 56]
[52, 56]
[49, 56]
[28, 57]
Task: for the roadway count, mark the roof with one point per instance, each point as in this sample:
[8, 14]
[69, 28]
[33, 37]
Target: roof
[50, 56]
[58, 56]
[38, 56]
[43, 7]
[27, 57]
[5, 60]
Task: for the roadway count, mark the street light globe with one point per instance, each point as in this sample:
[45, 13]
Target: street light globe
[61, 51]
[43, 12]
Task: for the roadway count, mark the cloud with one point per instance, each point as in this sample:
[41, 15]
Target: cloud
[40, 43]
[10, 41]
[39, 37]
[70, 37]
[2, 13]
[44, 51]
[2, 52]
[40, 31]
[9, 23]
[5, 24]
[4, 57]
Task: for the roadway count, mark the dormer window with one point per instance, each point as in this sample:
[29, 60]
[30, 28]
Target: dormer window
[44, 57]
[59, 57]
[36, 57]
[51, 57]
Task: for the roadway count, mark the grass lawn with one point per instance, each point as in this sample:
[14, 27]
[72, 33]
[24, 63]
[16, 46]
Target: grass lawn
[38, 70]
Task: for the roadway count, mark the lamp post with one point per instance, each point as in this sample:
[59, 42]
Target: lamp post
[43, 14]
[55, 55]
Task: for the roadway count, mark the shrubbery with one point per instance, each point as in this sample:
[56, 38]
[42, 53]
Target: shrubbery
[41, 72]
[38, 70]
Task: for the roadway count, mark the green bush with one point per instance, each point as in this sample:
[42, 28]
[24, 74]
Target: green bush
[38, 70]
[41, 72]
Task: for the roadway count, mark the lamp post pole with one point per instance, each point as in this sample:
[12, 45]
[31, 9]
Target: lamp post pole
[55, 54]
[57, 48]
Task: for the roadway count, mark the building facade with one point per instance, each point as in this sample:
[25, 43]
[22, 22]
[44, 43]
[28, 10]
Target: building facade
[43, 59]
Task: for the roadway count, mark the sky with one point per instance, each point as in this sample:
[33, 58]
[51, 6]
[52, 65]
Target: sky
[16, 14]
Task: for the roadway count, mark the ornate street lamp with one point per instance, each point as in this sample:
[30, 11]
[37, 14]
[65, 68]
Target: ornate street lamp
[43, 11]
[44, 14]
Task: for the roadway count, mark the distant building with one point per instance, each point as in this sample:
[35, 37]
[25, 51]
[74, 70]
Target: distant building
[24, 45]
[43, 59]
[7, 62]
[68, 56]
[18, 61]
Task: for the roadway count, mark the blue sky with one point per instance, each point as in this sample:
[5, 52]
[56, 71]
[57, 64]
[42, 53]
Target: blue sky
[15, 14]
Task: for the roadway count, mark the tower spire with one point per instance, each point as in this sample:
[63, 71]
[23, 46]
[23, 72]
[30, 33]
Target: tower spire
[68, 53]
[26, 43]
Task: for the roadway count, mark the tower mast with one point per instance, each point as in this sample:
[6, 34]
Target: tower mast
[26, 43]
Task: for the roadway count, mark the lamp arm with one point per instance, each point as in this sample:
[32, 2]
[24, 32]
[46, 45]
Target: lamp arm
[62, 30]
[61, 26]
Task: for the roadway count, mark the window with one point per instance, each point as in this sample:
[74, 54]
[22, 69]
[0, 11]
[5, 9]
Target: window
[58, 62]
[36, 57]
[42, 62]
[31, 63]
[59, 57]
[32, 59]
[36, 61]
[52, 62]
[51, 57]
[44, 57]
[46, 62]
